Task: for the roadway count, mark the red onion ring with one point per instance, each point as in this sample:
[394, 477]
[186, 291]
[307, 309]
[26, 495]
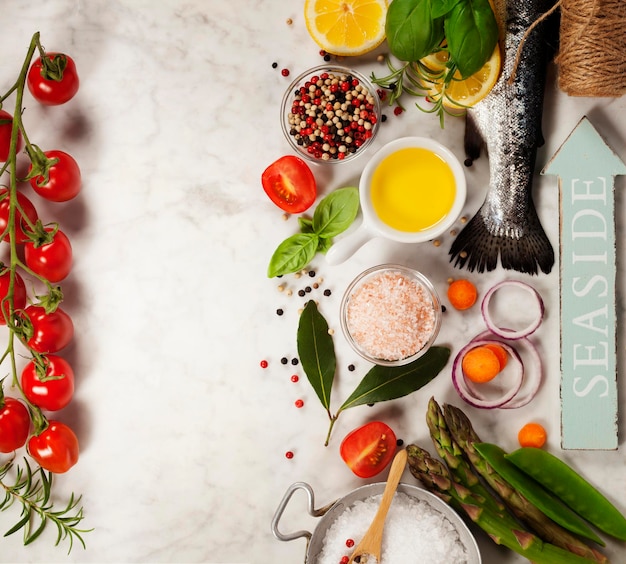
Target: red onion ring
[469, 395]
[509, 333]
[532, 377]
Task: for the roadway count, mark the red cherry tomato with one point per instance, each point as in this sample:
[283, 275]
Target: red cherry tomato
[6, 124]
[51, 260]
[368, 449]
[51, 332]
[53, 391]
[53, 90]
[64, 179]
[55, 449]
[290, 184]
[19, 293]
[20, 223]
[14, 425]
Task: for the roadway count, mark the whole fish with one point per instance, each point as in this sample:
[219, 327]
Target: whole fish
[508, 122]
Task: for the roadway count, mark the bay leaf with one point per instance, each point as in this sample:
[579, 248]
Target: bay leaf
[316, 351]
[383, 383]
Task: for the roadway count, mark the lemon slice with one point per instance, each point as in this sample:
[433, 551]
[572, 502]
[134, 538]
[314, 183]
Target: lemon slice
[460, 93]
[346, 27]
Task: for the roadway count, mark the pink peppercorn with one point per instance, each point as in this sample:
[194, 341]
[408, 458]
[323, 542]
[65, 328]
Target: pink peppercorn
[285, 72]
[264, 364]
[350, 543]
[299, 403]
[289, 454]
[295, 378]
[397, 111]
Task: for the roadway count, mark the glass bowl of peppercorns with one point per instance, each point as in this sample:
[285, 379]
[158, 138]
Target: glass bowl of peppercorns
[330, 114]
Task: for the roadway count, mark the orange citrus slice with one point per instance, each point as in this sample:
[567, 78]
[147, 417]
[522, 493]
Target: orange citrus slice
[346, 27]
[460, 93]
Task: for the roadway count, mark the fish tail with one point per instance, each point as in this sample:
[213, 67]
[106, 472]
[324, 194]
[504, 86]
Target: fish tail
[477, 248]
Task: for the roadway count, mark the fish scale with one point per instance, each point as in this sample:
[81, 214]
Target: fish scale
[508, 123]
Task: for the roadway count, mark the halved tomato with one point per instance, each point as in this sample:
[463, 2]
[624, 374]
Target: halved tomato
[368, 449]
[290, 184]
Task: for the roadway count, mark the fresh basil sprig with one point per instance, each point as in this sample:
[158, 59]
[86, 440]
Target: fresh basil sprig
[332, 216]
[381, 383]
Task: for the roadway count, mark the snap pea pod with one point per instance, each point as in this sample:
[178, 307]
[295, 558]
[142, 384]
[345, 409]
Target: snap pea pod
[541, 498]
[571, 488]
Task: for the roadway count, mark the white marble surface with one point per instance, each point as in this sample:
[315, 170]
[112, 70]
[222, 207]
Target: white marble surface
[183, 435]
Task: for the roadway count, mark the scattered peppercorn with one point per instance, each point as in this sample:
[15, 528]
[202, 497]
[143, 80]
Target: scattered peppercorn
[294, 361]
[383, 118]
[274, 65]
[308, 289]
[443, 308]
[264, 364]
[350, 543]
[301, 293]
[312, 273]
[299, 403]
[327, 57]
[344, 560]
[351, 367]
[399, 442]
[289, 21]
[295, 378]
[285, 72]
[284, 360]
[315, 285]
[279, 311]
[397, 111]
[323, 53]
[327, 292]
[289, 454]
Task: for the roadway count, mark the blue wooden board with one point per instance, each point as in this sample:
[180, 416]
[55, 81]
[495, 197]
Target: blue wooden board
[586, 168]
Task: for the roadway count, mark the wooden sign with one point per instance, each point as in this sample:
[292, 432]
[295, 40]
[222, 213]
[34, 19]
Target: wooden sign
[586, 168]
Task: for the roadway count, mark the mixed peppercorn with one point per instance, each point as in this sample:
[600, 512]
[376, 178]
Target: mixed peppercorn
[332, 115]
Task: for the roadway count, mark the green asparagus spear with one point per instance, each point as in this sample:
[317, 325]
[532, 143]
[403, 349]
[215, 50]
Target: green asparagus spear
[436, 477]
[458, 425]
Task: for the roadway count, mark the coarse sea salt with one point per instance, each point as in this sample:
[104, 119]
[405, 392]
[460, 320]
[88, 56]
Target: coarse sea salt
[390, 316]
[415, 533]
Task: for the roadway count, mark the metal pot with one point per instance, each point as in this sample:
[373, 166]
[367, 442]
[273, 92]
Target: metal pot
[330, 512]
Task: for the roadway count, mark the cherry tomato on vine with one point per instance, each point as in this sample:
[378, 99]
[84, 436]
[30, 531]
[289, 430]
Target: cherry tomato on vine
[290, 184]
[55, 449]
[14, 424]
[63, 181]
[20, 222]
[55, 82]
[19, 293]
[51, 260]
[6, 125]
[53, 391]
[51, 332]
[368, 449]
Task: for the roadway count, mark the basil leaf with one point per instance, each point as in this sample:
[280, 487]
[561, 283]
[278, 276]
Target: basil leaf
[412, 32]
[316, 351]
[472, 34]
[442, 7]
[293, 254]
[384, 383]
[306, 224]
[324, 245]
[336, 212]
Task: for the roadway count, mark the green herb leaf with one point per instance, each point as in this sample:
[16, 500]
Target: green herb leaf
[324, 245]
[412, 32]
[293, 254]
[471, 30]
[316, 352]
[306, 224]
[384, 383]
[442, 7]
[336, 212]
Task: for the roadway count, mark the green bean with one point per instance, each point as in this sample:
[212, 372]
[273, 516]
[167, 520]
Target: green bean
[541, 498]
[571, 488]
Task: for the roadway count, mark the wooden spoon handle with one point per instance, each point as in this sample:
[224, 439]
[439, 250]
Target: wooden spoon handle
[395, 473]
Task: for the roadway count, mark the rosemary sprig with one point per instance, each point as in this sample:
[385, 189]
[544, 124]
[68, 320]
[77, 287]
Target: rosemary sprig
[32, 490]
[414, 78]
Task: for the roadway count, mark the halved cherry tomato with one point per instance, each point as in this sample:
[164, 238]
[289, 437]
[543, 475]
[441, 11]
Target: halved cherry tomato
[368, 449]
[290, 184]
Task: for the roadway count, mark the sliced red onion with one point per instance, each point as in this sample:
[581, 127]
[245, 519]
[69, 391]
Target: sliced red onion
[509, 333]
[533, 374]
[468, 392]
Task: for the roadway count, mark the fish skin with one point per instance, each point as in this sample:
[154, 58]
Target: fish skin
[508, 122]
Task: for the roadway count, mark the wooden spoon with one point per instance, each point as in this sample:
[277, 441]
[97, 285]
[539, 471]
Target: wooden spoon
[372, 541]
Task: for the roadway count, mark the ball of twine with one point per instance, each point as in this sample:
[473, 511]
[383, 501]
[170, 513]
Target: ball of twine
[592, 56]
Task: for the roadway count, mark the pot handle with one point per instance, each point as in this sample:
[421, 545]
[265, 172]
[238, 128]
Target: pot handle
[283, 504]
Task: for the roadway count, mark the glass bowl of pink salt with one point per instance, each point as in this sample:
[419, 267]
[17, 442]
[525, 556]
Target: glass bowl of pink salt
[391, 314]
[330, 114]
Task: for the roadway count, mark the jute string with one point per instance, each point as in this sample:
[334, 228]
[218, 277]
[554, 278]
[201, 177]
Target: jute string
[592, 47]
